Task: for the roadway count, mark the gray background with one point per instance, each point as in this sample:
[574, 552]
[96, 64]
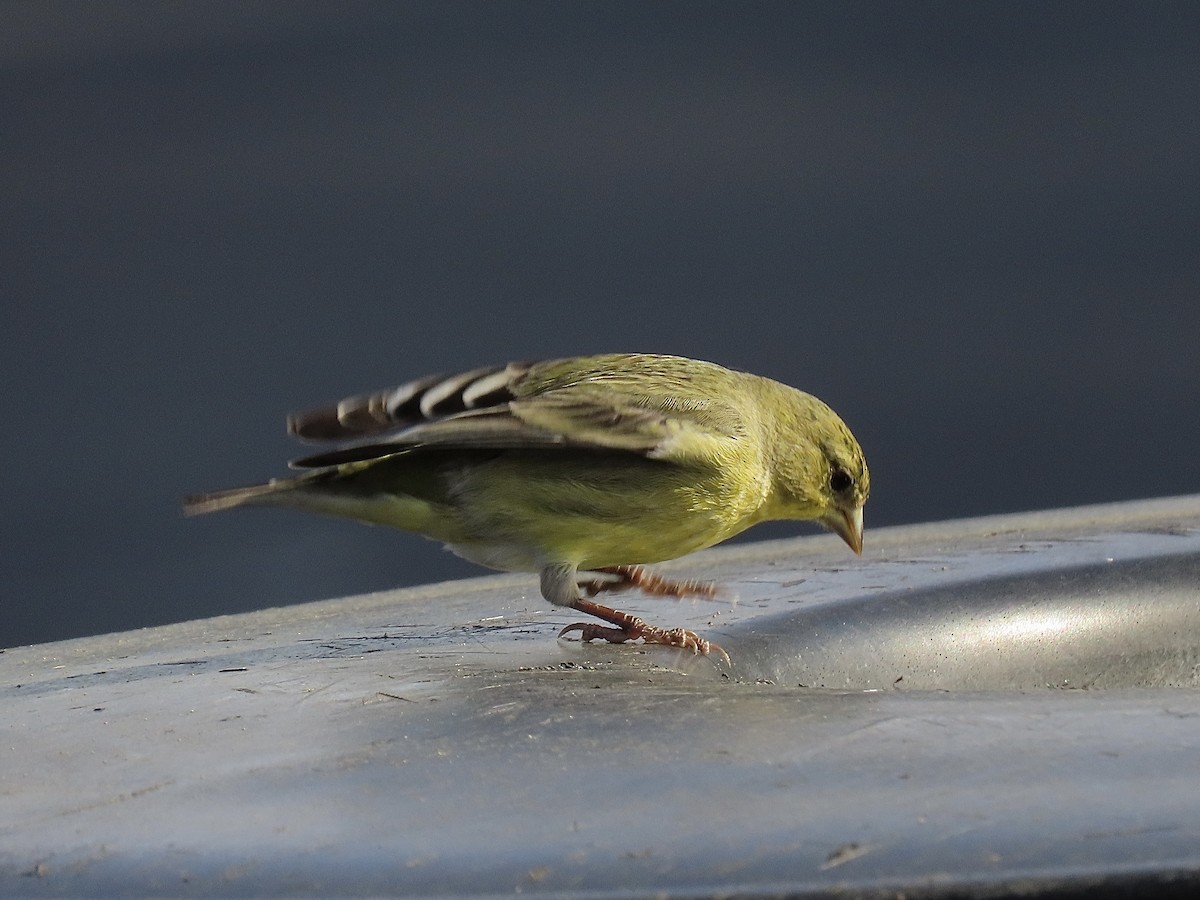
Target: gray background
[971, 228]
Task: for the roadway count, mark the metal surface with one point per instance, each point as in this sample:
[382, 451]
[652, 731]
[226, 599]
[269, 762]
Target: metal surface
[994, 705]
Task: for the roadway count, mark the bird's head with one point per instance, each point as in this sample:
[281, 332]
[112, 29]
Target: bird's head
[820, 471]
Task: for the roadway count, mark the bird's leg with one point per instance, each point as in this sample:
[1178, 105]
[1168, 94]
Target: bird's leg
[560, 586]
[627, 577]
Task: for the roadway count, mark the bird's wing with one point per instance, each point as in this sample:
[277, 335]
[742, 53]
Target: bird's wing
[399, 408]
[551, 405]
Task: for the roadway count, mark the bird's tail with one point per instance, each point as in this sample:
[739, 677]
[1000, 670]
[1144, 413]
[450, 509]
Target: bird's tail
[331, 492]
[255, 495]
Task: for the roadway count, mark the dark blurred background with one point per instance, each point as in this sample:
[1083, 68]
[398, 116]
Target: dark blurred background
[972, 228]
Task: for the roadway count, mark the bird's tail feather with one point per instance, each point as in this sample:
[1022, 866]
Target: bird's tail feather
[258, 494]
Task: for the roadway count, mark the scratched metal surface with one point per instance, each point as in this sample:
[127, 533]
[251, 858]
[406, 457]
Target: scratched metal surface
[996, 704]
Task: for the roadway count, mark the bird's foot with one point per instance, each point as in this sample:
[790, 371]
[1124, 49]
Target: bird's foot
[624, 578]
[630, 628]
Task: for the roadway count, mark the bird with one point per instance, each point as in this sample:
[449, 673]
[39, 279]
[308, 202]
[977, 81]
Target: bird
[583, 470]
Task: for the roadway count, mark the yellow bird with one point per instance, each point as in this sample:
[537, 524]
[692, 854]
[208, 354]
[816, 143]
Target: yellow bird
[581, 470]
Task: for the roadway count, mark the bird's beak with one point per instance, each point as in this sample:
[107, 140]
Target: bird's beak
[847, 524]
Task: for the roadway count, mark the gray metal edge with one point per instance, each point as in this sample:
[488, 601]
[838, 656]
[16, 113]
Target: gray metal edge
[972, 705]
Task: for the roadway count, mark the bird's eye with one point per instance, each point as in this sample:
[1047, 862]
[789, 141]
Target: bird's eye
[839, 480]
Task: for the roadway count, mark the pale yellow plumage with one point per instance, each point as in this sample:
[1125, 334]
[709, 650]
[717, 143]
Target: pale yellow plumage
[592, 463]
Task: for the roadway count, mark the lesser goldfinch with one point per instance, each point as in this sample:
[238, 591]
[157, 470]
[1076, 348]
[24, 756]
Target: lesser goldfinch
[581, 470]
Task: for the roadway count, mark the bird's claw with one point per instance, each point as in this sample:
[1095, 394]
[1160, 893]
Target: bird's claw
[634, 628]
